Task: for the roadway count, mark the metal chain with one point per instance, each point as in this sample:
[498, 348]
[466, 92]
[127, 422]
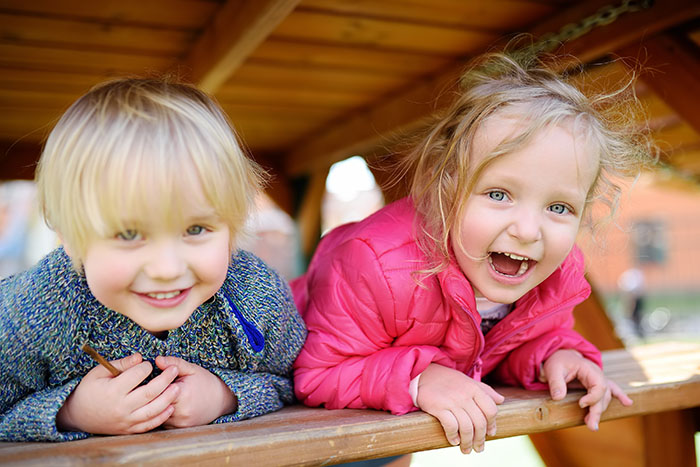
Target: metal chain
[603, 16]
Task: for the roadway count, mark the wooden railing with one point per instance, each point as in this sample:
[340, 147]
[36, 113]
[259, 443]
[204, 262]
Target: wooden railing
[659, 378]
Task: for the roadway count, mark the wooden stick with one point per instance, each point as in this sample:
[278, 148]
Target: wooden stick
[100, 359]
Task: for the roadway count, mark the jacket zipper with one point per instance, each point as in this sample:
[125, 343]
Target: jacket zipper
[532, 323]
[475, 369]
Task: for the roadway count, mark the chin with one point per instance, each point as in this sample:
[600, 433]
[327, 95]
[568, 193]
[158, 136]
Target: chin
[505, 297]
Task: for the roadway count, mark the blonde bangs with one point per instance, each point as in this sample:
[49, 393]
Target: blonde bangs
[133, 148]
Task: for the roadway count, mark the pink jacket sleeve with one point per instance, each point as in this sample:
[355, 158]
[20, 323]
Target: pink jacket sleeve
[349, 360]
[521, 367]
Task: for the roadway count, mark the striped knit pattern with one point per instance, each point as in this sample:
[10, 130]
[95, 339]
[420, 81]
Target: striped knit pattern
[48, 312]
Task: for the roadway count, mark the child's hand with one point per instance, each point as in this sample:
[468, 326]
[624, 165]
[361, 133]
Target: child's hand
[202, 398]
[465, 408]
[107, 404]
[565, 365]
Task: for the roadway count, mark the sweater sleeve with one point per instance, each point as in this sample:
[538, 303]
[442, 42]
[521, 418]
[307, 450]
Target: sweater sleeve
[350, 359]
[28, 402]
[33, 417]
[263, 383]
[257, 393]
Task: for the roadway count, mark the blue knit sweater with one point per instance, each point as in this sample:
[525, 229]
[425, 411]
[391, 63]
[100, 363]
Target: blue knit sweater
[248, 334]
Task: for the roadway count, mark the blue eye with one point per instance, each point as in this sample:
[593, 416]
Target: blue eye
[497, 195]
[195, 230]
[559, 208]
[129, 235]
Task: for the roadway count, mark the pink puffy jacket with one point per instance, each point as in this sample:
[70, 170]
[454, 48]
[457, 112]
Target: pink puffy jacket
[373, 327]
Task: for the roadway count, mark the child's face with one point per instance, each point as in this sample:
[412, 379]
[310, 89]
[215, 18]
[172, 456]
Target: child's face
[156, 273]
[522, 218]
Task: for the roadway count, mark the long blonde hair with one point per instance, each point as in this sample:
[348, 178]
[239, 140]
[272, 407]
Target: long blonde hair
[527, 84]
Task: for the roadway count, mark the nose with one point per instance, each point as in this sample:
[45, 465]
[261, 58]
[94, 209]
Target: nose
[526, 226]
[165, 261]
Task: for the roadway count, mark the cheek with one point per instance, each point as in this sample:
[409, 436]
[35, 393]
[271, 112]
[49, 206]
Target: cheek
[563, 241]
[107, 278]
[213, 263]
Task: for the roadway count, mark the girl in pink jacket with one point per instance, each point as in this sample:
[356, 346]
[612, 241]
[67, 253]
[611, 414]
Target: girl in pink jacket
[476, 273]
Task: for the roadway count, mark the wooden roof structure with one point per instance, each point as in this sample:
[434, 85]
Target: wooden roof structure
[310, 82]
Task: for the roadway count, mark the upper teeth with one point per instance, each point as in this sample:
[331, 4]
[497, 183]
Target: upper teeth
[515, 257]
[163, 295]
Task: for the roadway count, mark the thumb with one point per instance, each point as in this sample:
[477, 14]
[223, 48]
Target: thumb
[491, 392]
[184, 367]
[557, 385]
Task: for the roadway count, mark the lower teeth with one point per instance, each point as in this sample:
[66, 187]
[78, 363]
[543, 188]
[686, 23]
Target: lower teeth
[523, 268]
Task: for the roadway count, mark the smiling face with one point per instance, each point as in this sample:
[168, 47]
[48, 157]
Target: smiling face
[522, 217]
[158, 270]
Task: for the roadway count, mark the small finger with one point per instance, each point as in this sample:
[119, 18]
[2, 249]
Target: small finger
[489, 409]
[595, 411]
[479, 425]
[466, 432]
[155, 387]
[557, 387]
[620, 395]
[595, 394]
[184, 367]
[153, 422]
[135, 375]
[157, 406]
[127, 362]
[449, 425]
[492, 393]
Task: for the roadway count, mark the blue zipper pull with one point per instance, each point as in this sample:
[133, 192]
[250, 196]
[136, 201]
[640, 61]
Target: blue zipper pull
[255, 337]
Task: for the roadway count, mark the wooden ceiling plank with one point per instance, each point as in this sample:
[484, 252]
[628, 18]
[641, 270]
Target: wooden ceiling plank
[374, 33]
[235, 32]
[184, 14]
[92, 35]
[508, 15]
[675, 70]
[625, 30]
[304, 54]
[246, 94]
[23, 79]
[331, 79]
[103, 62]
[363, 131]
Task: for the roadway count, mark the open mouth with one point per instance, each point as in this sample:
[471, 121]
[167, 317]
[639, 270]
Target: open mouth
[510, 264]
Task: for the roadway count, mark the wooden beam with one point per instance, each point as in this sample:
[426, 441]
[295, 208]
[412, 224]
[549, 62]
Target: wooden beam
[278, 187]
[674, 64]
[670, 439]
[367, 129]
[235, 31]
[659, 378]
[363, 131]
[627, 29]
[309, 217]
[18, 160]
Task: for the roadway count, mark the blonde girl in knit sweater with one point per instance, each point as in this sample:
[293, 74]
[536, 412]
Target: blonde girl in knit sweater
[147, 186]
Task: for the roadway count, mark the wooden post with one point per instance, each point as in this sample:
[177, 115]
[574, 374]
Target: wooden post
[309, 217]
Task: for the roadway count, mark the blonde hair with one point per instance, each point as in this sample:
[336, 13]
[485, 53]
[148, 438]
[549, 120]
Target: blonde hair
[526, 85]
[131, 141]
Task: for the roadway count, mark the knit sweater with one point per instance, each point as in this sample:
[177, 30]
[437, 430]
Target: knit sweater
[248, 334]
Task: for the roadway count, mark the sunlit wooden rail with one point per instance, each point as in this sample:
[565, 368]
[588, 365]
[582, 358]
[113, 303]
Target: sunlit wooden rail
[659, 378]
